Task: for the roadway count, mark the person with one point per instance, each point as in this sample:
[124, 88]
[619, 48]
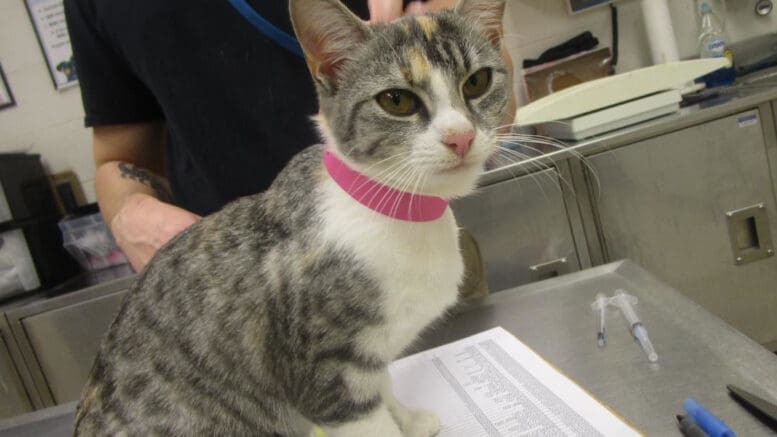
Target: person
[191, 106]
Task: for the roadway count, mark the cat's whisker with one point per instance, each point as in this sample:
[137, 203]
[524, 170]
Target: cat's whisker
[536, 153]
[401, 185]
[538, 164]
[519, 124]
[523, 158]
[403, 182]
[538, 169]
[508, 161]
[394, 177]
[387, 171]
[414, 192]
[523, 140]
[535, 159]
[383, 172]
[533, 175]
[561, 147]
[402, 188]
[412, 197]
[376, 189]
[399, 175]
[401, 154]
[541, 140]
[539, 176]
[515, 176]
[500, 127]
[377, 177]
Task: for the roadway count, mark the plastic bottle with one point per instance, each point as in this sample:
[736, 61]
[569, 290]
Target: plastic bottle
[712, 44]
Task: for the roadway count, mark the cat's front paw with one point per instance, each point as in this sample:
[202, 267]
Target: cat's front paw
[421, 423]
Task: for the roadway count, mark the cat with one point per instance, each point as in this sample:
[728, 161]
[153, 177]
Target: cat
[283, 310]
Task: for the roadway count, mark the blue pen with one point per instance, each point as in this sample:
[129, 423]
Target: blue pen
[706, 420]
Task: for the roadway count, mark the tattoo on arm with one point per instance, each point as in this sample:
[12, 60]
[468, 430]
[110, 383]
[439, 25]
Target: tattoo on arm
[145, 177]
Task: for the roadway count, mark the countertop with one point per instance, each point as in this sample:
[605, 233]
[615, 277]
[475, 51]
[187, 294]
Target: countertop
[79, 282]
[698, 353]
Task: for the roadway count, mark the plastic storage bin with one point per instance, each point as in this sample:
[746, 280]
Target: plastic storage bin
[90, 243]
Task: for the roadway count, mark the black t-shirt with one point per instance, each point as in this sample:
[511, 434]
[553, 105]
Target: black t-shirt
[237, 105]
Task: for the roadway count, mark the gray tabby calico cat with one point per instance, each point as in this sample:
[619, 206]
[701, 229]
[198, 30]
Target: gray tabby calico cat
[283, 310]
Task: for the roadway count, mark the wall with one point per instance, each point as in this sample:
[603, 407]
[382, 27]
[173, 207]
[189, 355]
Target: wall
[50, 123]
[44, 120]
[532, 26]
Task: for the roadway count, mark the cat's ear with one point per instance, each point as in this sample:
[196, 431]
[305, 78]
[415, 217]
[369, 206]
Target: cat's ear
[487, 14]
[329, 33]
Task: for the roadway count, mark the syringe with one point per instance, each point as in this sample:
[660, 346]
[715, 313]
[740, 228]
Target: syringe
[600, 305]
[625, 302]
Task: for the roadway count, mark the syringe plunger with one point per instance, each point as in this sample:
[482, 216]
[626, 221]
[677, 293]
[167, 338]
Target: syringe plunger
[625, 302]
[640, 333]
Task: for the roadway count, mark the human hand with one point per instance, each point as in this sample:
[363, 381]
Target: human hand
[144, 224]
[419, 7]
[382, 11]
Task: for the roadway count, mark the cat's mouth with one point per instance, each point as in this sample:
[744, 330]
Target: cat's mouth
[466, 163]
[462, 165]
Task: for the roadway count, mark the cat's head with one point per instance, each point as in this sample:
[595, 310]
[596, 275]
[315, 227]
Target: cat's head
[413, 103]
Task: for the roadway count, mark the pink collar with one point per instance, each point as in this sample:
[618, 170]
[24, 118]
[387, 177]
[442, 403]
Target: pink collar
[381, 198]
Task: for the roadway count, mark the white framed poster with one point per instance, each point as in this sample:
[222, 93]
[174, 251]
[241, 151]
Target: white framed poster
[48, 20]
[6, 98]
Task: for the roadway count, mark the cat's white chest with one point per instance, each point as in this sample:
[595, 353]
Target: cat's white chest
[417, 265]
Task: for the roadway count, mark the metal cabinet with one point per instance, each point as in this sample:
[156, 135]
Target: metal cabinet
[59, 338]
[13, 397]
[697, 208]
[774, 111]
[522, 229]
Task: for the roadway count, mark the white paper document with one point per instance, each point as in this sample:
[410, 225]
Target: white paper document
[491, 384]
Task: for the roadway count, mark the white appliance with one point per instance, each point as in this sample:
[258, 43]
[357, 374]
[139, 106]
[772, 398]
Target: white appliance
[615, 117]
[613, 102]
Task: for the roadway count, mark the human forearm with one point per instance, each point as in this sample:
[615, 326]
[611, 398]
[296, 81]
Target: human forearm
[135, 204]
[117, 181]
[134, 199]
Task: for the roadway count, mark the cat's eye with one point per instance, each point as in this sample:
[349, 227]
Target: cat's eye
[398, 102]
[477, 84]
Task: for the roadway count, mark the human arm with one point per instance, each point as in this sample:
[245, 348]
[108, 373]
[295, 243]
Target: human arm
[128, 140]
[133, 197]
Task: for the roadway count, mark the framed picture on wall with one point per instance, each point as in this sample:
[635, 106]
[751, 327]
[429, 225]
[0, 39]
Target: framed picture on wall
[576, 6]
[6, 97]
[48, 21]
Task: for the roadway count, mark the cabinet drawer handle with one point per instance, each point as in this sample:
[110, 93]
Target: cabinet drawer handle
[549, 269]
[748, 229]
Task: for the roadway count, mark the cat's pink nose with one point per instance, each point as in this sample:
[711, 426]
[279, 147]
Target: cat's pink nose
[460, 142]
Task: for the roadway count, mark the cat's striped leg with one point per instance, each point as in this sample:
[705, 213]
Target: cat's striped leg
[347, 401]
